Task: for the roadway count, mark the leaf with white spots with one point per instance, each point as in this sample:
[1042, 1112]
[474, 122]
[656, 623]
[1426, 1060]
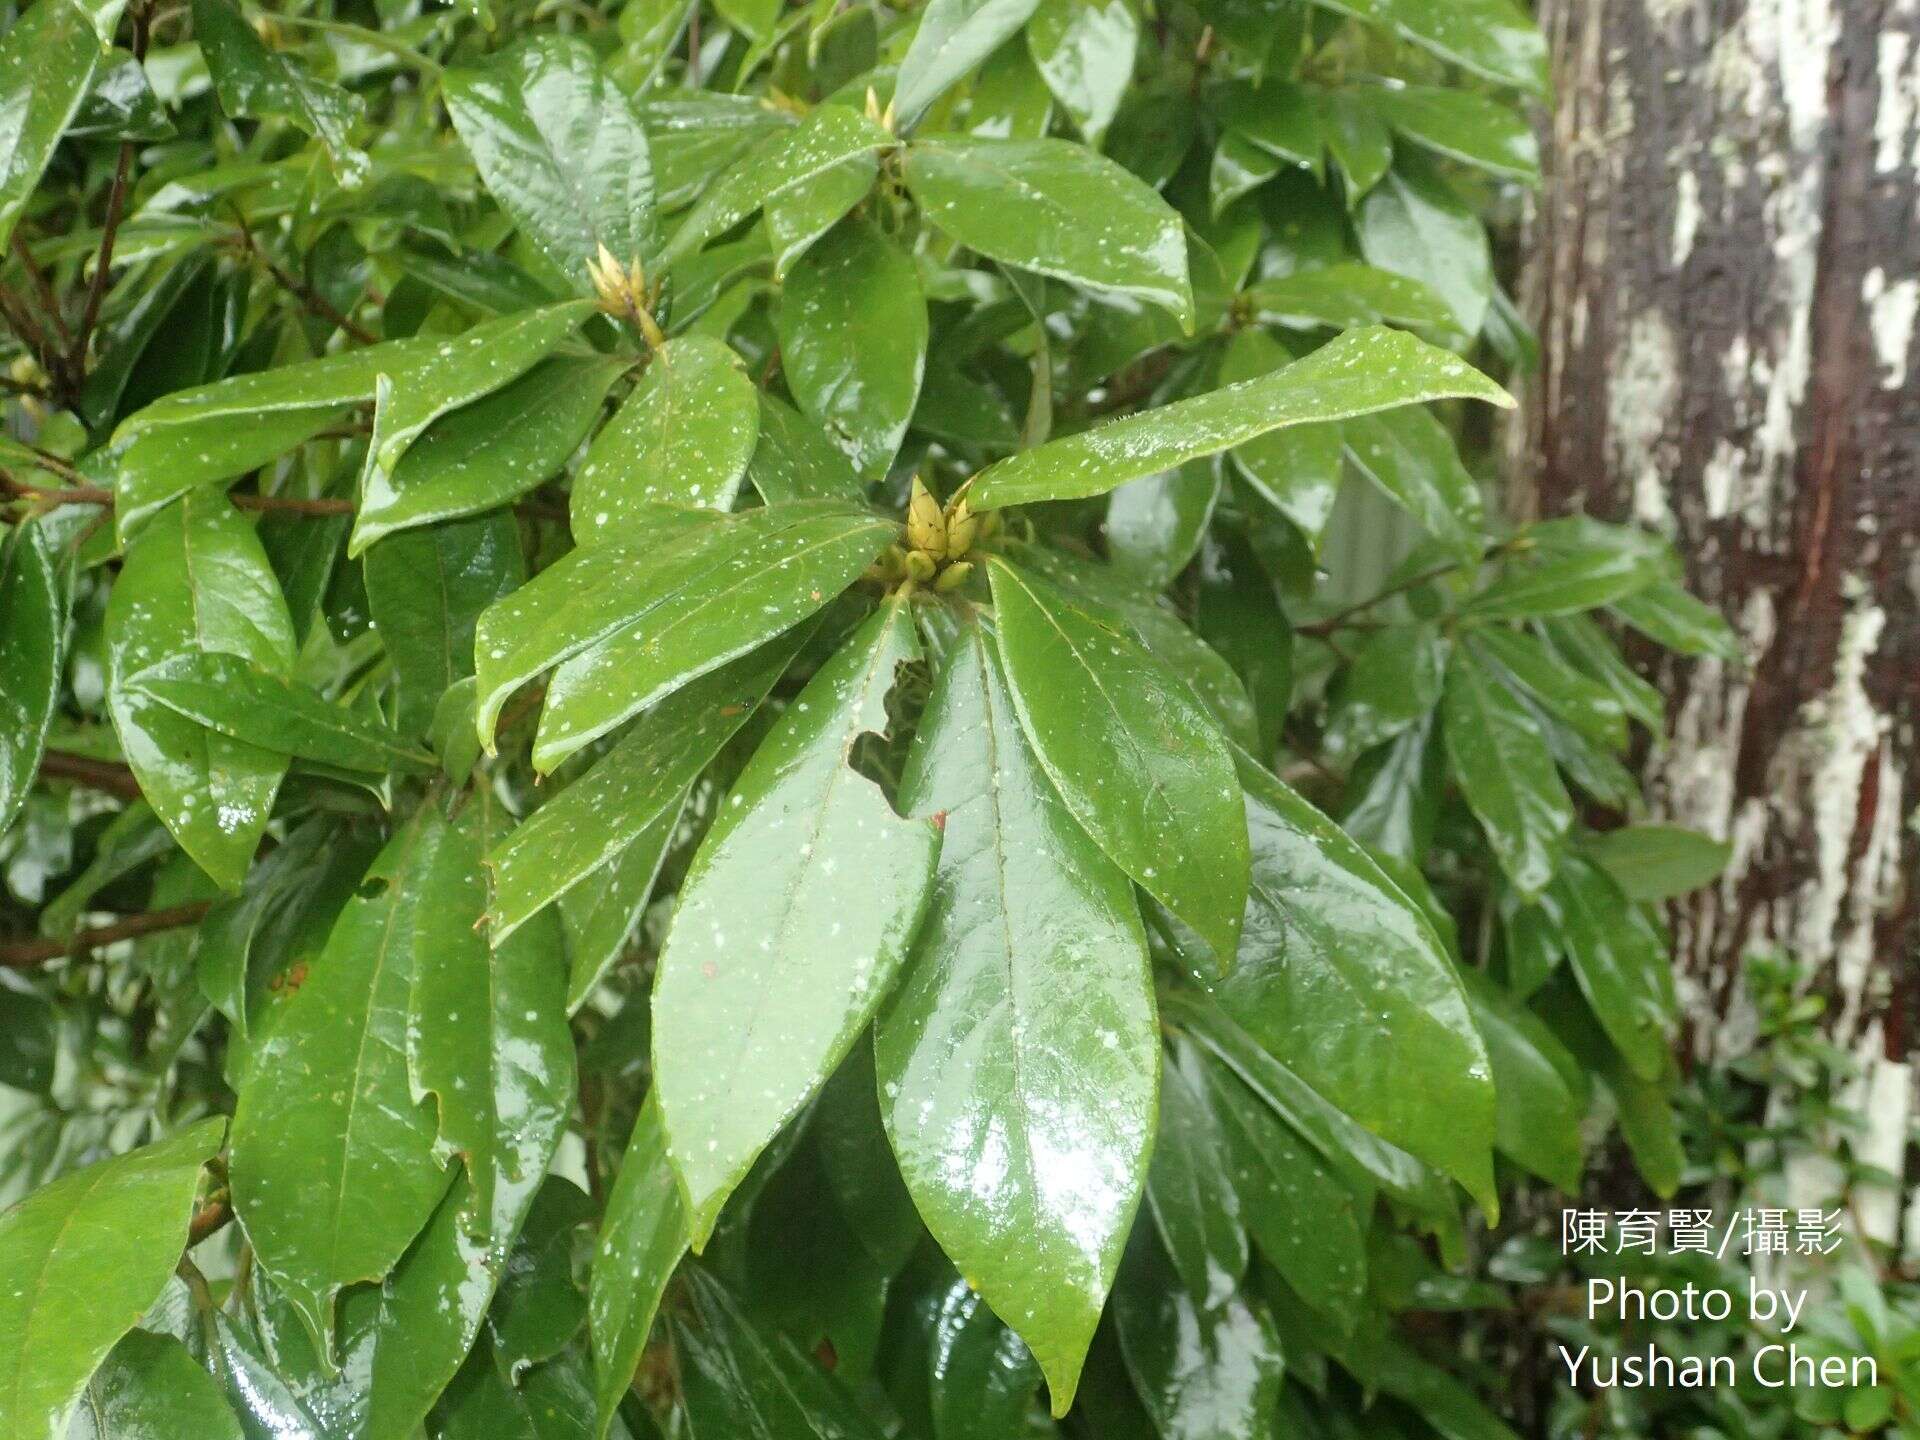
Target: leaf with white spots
[792, 923]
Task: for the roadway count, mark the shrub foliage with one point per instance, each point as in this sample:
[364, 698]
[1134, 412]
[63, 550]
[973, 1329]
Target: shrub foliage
[671, 714]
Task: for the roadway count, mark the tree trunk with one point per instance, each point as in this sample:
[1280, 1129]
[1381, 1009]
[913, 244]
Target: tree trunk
[1725, 270]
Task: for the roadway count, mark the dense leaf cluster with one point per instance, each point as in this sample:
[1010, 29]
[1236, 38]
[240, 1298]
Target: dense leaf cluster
[683, 655]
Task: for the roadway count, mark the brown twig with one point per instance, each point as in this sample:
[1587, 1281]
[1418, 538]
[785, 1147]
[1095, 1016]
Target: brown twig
[292, 504]
[102, 265]
[312, 299]
[48, 301]
[24, 387]
[19, 954]
[106, 776]
[211, 1217]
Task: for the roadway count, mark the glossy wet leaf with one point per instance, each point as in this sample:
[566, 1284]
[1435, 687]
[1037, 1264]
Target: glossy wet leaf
[1394, 680]
[1616, 957]
[658, 612]
[486, 1031]
[1084, 49]
[1506, 773]
[1358, 140]
[982, 1377]
[1665, 613]
[1658, 861]
[240, 700]
[33, 624]
[853, 341]
[1413, 223]
[1572, 564]
[1493, 38]
[539, 1309]
[256, 82]
[1190, 1193]
[683, 437]
[1464, 126]
[642, 1239]
[1346, 295]
[792, 924]
[1296, 469]
[793, 460]
[634, 791]
[197, 583]
[739, 1380]
[953, 37]
[333, 1167]
[1343, 977]
[48, 60]
[1154, 525]
[1202, 1371]
[560, 147]
[151, 1388]
[1411, 457]
[1576, 701]
[1357, 374]
[1134, 758]
[798, 216]
[426, 589]
[1026, 203]
[82, 1259]
[489, 453]
[1018, 1061]
[1238, 616]
[1540, 1089]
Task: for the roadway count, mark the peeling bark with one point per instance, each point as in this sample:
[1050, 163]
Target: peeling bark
[1726, 277]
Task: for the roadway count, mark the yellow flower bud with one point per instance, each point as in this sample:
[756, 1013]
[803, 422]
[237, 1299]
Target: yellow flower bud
[920, 566]
[953, 577]
[962, 527]
[989, 525]
[926, 526]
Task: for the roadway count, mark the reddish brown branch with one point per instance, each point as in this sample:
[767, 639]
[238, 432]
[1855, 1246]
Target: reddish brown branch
[17, 954]
[103, 775]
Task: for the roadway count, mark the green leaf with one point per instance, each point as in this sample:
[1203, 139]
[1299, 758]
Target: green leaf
[235, 698]
[1414, 224]
[600, 914]
[196, 583]
[792, 460]
[466, 368]
[1155, 525]
[641, 1241]
[560, 147]
[33, 627]
[1665, 613]
[683, 437]
[1540, 1089]
[1358, 140]
[1581, 642]
[1134, 758]
[332, 1165]
[426, 590]
[1343, 978]
[1462, 125]
[1578, 701]
[1347, 295]
[84, 1257]
[1658, 862]
[1506, 772]
[256, 83]
[810, 863]
[1619, 962]
[150, 1388]
[1308, 1221]
[737, 1379]
[1492, 38]
[48, 60]
[1084, 50]
[550, 1402]
[1360, 372]
[1202, 1371]
[486, 1031]
[489, 453]
[633, 792]
[981, 1375]
[1028, 202]
[1573, 564]
[1190, 1193]
[952, 38]
[1296, 469]
[539, 1308]
[1411, 457]
[1643, 1105]
[1395, 679]
[853, 341]
[789, 160]
[1238, 615]
[1028, 1169]
[1274, 117]
[663, 610]
[798, 217]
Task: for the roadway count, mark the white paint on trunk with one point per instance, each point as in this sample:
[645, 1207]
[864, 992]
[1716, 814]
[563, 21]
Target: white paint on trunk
[1686, 216]
[1895, 116]
[1883, 1097]
[1891, 311]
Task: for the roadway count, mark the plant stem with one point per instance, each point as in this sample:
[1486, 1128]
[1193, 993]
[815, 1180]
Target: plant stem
[20, 954]
[103, 775]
